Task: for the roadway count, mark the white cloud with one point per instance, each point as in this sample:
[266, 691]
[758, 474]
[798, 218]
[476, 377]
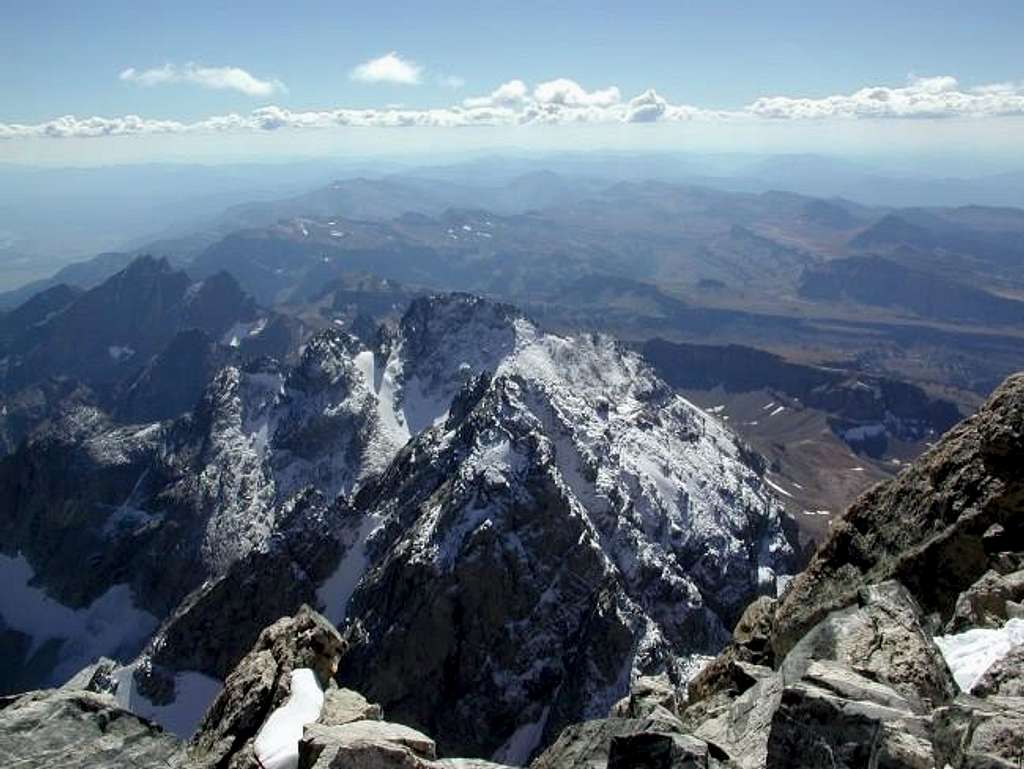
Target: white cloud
[510, 94]
[555, 102]
[389, 68]
[569, 93]
[218, 78]
[648, 107]
[921, 97]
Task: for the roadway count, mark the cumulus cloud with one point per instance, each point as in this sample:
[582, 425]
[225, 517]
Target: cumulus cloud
[648, 107]
[559, 102]
[921, 97]
[218, 78]
[510, 94]
[389, 68]
[569, 93]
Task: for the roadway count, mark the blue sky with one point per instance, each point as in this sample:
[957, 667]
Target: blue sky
[68, 58]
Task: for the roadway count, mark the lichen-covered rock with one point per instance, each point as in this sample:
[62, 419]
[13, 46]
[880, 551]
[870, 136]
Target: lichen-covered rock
[647, 694]
[882, 639]
[1004, 678]
[76, 729]
[660, 750]
[586, 745]
[815, 729]
[343, 706]
[740, 727]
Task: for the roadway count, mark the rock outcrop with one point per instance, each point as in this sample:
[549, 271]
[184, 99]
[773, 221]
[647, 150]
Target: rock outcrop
[937, 528]
[260, 683]
[78, 729]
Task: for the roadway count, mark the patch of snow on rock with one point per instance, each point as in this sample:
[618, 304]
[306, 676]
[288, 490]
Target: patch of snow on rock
[277, 743]
[971, 653]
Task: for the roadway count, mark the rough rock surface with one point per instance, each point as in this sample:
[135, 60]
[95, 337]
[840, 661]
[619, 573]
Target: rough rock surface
[260, 683]
[586, 745]
[750, 644]
[813, 727]
[989, 602]
[659, 750]
[343, 706]
[77, 729]
[981, 733]
[926, 528]
[1004, 678]
[882, 639]
[369, 744]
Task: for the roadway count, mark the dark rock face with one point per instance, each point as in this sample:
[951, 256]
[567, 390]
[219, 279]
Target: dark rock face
[587, 745]
[881, 282]
[858, 680]
[750, 645]
[658, 750]
[851, 399]
[76, 729]
[926, 528]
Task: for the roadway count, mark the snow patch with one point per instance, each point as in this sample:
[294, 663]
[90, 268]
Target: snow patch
[777, 487]
[277, 742]
[120, 353]
[336, 591]
[971, 653]
[519, 747]
[110, 626]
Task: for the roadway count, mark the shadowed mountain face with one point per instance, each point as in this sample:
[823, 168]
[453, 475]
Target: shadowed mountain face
[881, 282]
[142, 344]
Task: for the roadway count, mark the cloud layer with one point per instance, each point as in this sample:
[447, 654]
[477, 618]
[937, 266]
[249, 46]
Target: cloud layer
[217, 78]
[389, 68]
[554, 102]
[921, 97]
